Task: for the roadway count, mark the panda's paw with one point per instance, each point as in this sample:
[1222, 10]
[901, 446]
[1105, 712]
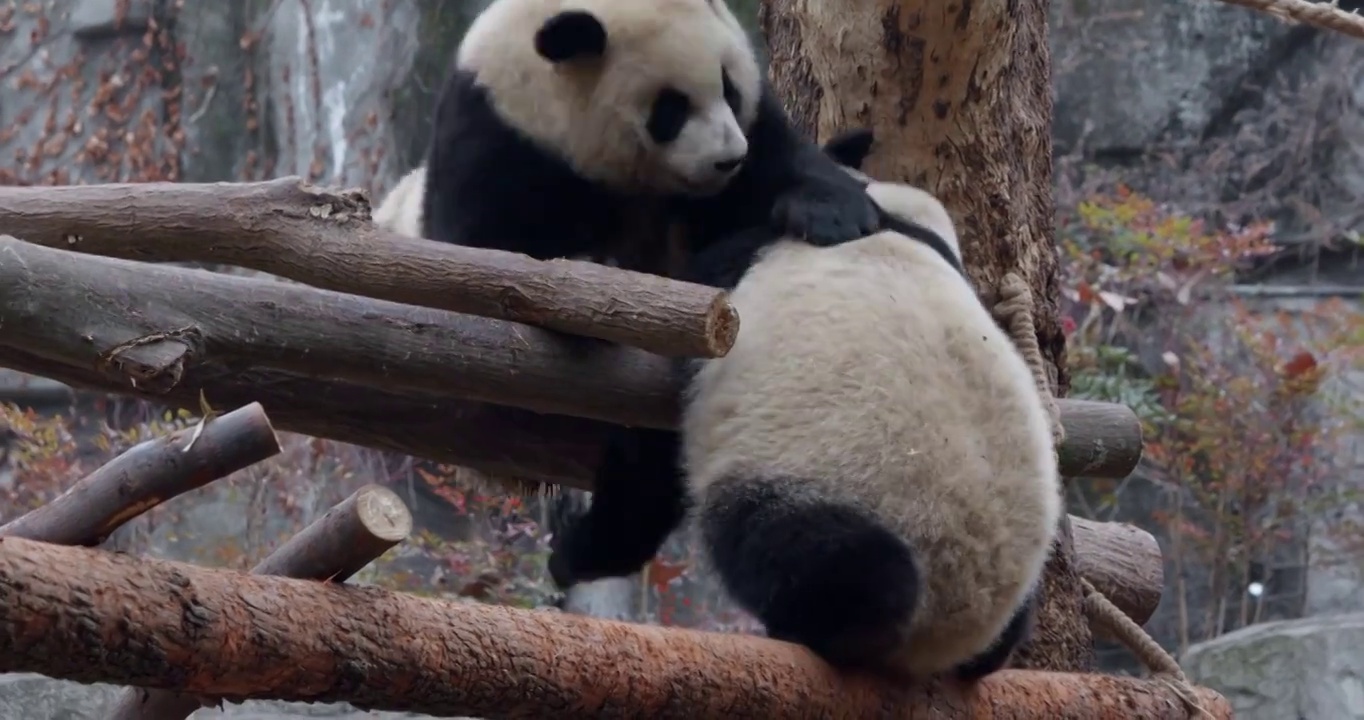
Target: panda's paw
[826, 216]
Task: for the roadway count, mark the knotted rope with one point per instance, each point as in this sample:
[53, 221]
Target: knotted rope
[1014, 312]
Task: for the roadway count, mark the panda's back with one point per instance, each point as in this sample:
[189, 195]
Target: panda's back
[871, 368]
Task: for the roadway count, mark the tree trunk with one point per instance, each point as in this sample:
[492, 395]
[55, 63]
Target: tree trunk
[958, 95]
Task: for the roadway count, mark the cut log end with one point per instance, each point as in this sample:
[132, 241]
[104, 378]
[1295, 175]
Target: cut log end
[382, 513]
[722, 326]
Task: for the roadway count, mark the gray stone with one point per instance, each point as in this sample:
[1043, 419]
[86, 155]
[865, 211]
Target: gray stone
[25, 696]
[1309, 669]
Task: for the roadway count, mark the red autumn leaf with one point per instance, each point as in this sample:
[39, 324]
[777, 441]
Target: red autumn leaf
[1299, 365]
[1086, 292]
[662, 573]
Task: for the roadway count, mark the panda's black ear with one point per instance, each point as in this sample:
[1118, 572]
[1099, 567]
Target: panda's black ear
[571, 35]
[851, 148]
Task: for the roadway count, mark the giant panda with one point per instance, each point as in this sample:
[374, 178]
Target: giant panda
[870, 467]
[566, 121]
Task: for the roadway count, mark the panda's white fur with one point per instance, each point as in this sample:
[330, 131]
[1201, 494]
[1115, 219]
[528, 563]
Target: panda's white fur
[401, 209]
[871, 463]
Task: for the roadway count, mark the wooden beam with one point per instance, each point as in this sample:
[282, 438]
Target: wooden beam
[157, 330]
[324, 238]
[90, 616]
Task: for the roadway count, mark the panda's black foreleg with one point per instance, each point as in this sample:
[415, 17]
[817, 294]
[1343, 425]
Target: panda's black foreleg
[790, 185]
[1015, 634]
[638, 499]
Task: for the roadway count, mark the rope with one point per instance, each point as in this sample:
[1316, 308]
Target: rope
[1319, 14]
[1014, 312]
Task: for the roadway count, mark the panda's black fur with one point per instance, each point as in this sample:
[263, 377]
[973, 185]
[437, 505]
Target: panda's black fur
[891, 508]
[490, 184]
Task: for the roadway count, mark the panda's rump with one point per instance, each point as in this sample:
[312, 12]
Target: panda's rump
[885, 382]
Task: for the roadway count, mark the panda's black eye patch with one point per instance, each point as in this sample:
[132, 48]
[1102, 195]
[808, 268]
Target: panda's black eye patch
[732, 96]
[668, 115]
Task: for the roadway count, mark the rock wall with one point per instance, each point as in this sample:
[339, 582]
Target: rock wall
[1296, 669]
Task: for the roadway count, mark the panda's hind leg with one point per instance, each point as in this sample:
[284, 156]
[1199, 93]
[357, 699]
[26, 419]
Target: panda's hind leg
[1015, 634]
[815, 571]
[638, 499]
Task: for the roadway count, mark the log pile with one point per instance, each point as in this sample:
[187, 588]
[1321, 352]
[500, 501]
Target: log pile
[418, 348]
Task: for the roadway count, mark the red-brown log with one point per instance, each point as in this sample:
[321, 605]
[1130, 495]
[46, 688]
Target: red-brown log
[91, 616]
[348, 537]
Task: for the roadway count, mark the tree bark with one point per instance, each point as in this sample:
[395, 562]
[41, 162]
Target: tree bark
[92, 616]
[324, 238]
[958, 96]
[147, 475]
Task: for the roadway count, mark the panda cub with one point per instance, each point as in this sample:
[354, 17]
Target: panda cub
[565, 120]
[871, 465]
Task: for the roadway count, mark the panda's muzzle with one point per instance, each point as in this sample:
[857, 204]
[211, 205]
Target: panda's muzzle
[731, 164]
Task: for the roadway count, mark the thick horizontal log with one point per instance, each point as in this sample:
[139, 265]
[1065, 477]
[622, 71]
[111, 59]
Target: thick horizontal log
[147, 475]
[337, 545]
[156, 331]
[152, 324]
[91, 616]
[324, 238]
[1123, 562]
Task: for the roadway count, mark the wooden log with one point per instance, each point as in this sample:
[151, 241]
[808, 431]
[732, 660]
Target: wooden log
[90, 616]
[147, 475]
[156, 331]
[153, 323]
[324, 238]
[1123, 562]
[332, 548]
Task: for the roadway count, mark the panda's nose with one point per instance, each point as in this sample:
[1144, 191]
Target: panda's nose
[730, 164]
